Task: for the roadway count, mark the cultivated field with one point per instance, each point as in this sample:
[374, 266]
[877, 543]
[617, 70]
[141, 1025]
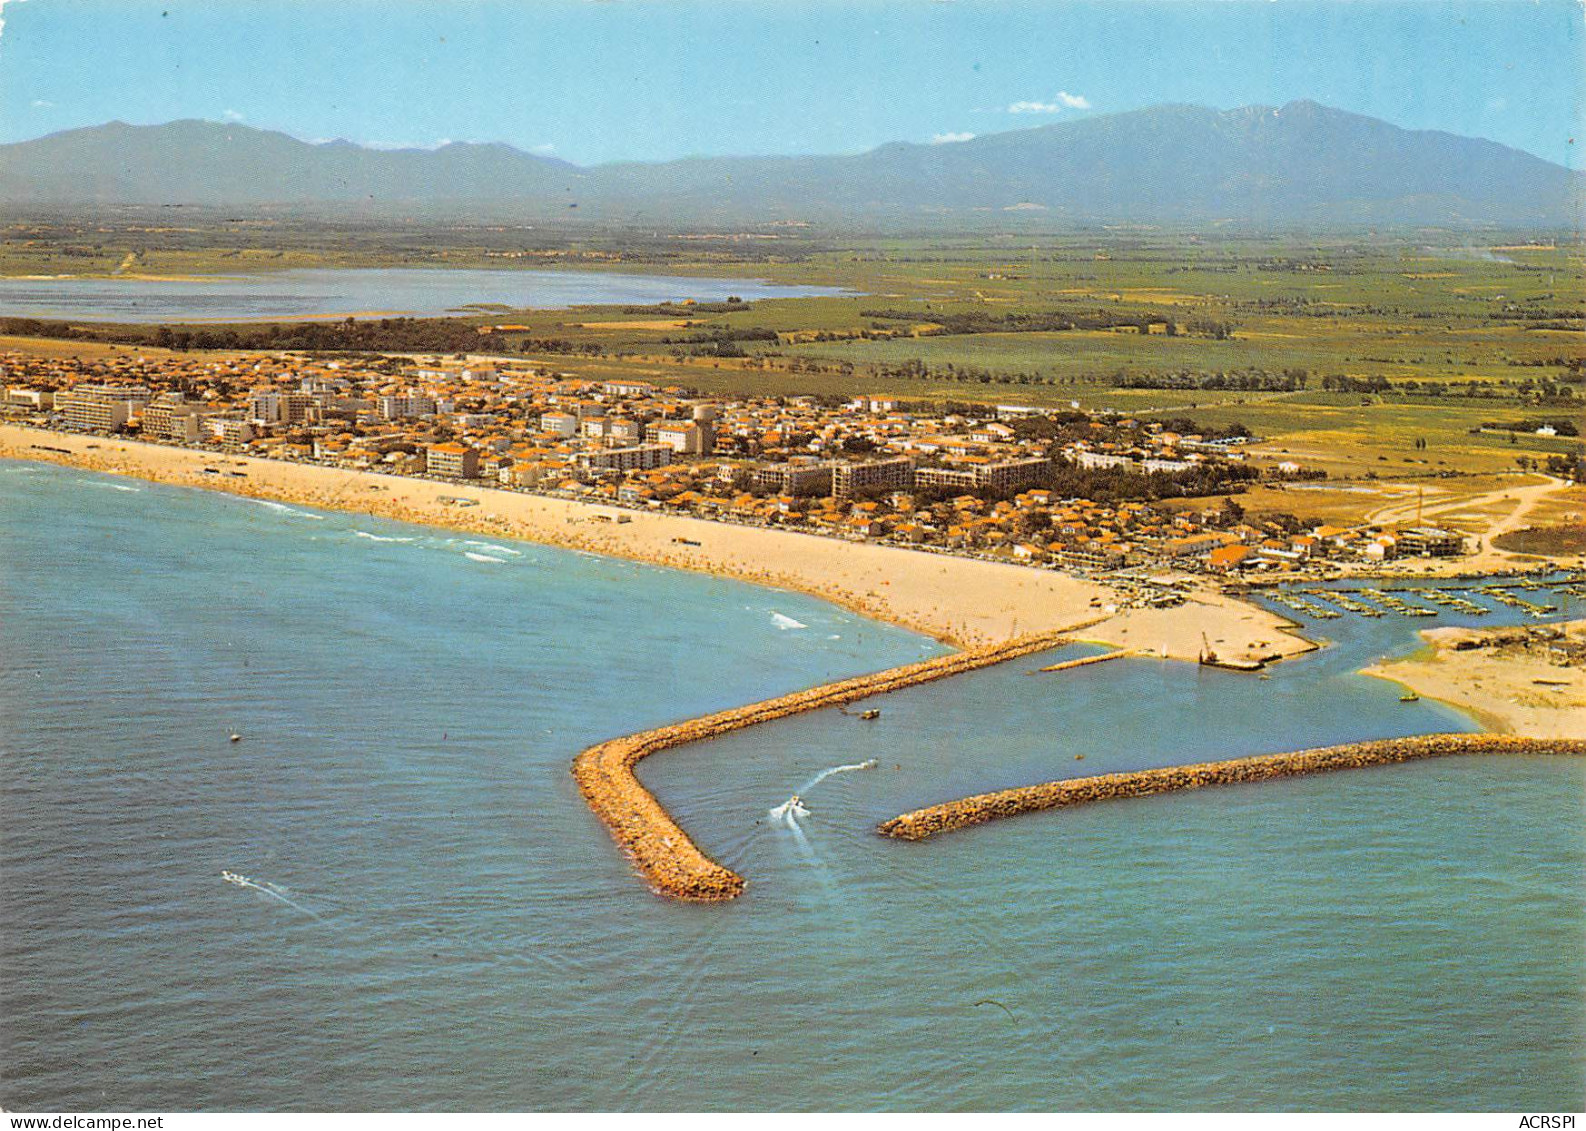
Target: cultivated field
[1423, 359]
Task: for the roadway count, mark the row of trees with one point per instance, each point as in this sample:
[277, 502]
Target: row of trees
[1253, 380]
[1474, 389]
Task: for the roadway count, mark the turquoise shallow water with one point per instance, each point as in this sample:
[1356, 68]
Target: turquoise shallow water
[466, 936]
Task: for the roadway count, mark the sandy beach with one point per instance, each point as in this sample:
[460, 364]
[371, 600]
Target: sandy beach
[961, 601]
[1512, 690]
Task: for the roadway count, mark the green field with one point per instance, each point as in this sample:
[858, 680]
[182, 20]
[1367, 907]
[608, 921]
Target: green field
[1347, 350]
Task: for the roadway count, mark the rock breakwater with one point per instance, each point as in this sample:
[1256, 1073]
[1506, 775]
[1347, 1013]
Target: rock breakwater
[953, 815]
[662, 851]
[1064, 665]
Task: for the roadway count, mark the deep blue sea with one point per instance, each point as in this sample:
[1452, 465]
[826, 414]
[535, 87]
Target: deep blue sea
[437, 922]
[379, 291]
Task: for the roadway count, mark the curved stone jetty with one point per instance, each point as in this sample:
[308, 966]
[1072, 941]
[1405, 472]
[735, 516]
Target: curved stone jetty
[671, 862]
[953, 815]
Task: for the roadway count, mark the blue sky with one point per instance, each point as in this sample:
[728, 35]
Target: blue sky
[593, 82]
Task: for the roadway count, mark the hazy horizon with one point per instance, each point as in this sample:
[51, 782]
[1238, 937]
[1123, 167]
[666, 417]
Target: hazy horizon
[444, 143]
[595, 83]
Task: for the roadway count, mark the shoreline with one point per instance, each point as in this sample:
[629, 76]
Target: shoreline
[951, 816]
[959, 601]
[1505, 692]
[660, 849]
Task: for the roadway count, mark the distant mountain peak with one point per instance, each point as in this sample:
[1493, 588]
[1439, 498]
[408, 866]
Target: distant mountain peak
[1299, 163]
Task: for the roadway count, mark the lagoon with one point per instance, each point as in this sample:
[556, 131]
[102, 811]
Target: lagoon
[373, 292]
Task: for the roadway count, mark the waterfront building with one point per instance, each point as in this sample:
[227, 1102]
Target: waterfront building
[452, 460]
[1431, 542]
[281, 408]
[40, 400]
[172, 419]
[1001, 476]
[641, 457]
[230, 429]
[101, 408]
[1012, 474]
[795, 479]
[880, 475]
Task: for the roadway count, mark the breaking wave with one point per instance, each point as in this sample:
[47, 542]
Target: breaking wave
[282, 508]
[493, 548]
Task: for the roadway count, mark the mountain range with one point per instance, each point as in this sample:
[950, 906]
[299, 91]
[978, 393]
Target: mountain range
[1299, 164]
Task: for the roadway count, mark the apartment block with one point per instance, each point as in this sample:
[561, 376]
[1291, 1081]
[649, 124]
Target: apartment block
[452, 460]
[103, 408]
[797, 479]
[880, 475]
[641, 457]
[684, 437]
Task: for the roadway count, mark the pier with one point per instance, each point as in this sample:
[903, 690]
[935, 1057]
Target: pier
[1083, 660]
[658, 846]
[953, 815]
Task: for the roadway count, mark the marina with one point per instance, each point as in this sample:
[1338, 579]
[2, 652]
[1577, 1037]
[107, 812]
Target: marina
[1328, 602]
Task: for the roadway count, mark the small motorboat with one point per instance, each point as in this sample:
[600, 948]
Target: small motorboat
[1409, 697]
[791, 808]
[870, 714]
[236, 738]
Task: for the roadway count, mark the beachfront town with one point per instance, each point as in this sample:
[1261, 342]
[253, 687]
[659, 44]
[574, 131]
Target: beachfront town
[1044, 487]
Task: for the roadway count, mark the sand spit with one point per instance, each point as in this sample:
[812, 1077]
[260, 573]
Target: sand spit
[1526, 679]
[663, 852]
[953, 815]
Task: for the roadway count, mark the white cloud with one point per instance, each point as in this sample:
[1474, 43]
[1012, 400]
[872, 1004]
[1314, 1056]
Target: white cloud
[949, 139]
[438, 143]
[231, 115]
[543, 148]
[1063, 100]
[42, 104]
